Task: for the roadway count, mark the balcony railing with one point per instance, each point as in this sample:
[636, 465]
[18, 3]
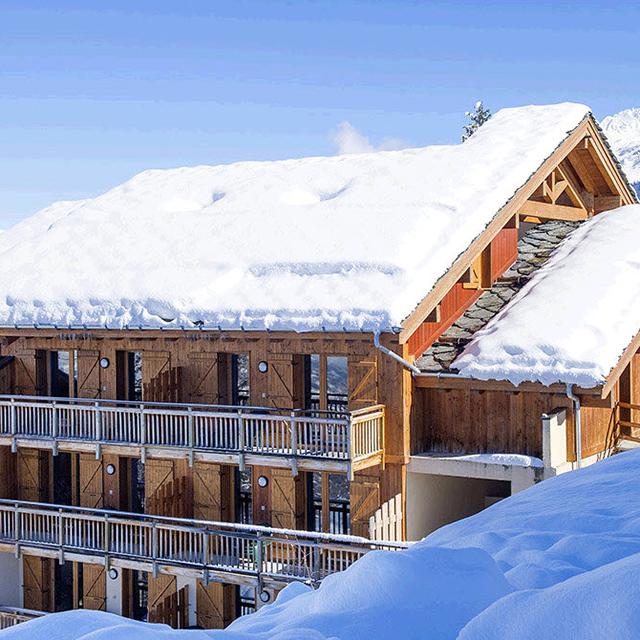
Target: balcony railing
[242, 554]
[11, 616]
[354, 438]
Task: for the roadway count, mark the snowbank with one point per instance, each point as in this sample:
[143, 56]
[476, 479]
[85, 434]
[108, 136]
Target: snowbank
[350, 242]
[559, 560]
[572, 321]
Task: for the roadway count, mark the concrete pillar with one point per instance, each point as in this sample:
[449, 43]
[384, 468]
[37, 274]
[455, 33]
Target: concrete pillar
[523, 477]
[114, 602]
[554, 438]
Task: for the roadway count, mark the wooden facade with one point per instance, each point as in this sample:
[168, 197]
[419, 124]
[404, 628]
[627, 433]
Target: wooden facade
[420, 414]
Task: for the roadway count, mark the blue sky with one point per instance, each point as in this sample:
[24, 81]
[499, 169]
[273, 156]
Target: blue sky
[93, 92]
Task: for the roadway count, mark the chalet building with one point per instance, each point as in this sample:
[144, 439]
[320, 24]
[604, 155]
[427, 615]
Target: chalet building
[219, 380]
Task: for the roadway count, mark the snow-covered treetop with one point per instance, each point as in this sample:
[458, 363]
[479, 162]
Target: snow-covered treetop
[349, 242]
[575, 317]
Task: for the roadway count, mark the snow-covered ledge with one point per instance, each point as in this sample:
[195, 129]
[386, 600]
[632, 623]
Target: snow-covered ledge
[521, 471]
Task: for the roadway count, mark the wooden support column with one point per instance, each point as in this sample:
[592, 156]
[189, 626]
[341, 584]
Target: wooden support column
[326, 503]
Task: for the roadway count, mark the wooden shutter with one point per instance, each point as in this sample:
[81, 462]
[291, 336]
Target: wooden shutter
[159, 589]
[167, 488]
[89, 382]
[287, 500]
[154, 364]
[210, 605]
[363, 383]
[37, 580]
[365, 500]
[285, 381]
[212, 492]
[28, 364]
[202, 384]
[33, 475]
[91, 482]
[94, 587]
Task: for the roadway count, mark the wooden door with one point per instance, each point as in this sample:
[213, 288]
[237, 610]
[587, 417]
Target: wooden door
[94, 587]
[33, 475]
[212, 492]
[287, 500]
[215, 605]
[160, 590]
[285, 381]
[89, 374]
[202, 378]
[37, 578]
[168, 489]
[365, 499]
[91, 482]
[25, 374]
[154, 364]
[261, 496]
[363, 383]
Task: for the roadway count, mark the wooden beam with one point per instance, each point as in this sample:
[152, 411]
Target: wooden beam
[606, 203]
[453, 383]
[548, 211]
[625, 359]
[455, 272]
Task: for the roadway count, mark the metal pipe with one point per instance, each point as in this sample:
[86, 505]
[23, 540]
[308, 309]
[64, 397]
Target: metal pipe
[394, 355]
[576, 421]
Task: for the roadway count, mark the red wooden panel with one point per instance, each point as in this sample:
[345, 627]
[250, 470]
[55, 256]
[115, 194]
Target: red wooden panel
[453, 305]
[504, 251]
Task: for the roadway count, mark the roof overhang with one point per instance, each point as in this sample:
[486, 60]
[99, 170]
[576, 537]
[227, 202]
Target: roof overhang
[588, 128]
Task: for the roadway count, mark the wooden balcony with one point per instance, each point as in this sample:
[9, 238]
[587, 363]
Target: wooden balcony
[228, 552]
[311, 440]
[11, 616]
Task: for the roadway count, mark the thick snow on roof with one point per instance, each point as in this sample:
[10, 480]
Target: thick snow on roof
[348, 242]
[559, 560]
[572, 321]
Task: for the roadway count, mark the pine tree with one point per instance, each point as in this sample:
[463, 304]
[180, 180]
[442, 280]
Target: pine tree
[477, 118]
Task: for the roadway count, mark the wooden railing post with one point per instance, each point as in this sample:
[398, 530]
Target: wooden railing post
[315, 571]
[143, 435]
[241, 444]
[14, 426]
[60, 537]
[54, 427]
[98, 430]
[192, 435]
[294, 444]
[106, 541]
[154, 549]
[16, 528]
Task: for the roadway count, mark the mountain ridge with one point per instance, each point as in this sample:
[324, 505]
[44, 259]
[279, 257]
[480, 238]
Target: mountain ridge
[623, 132]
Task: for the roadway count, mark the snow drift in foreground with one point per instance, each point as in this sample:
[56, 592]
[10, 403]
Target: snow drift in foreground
[575, 317]
[349, 242]
[559, 560]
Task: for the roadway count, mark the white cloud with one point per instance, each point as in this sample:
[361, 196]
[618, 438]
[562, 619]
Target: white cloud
[349, 140]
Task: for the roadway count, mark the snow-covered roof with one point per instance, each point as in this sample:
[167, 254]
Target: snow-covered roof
[347, 242]
[576, 316]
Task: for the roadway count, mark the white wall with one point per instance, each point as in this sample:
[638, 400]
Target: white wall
[436, 500]
[10, 580]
